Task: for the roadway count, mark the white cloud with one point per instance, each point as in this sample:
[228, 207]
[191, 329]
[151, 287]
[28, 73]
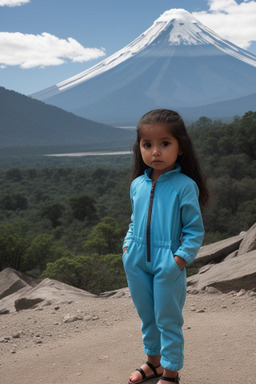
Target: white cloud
[233, 21]
[30, 51]
[13, 3]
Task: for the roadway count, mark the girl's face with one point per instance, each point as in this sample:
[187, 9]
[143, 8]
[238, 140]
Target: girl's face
[159, 148]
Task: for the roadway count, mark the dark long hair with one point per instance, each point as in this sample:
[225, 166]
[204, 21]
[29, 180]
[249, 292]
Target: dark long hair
[188, 160]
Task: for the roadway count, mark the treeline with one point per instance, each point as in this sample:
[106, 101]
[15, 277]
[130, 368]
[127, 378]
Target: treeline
[68, 223]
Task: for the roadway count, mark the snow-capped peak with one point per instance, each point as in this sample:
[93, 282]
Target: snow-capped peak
[179, 14]
[175, 27]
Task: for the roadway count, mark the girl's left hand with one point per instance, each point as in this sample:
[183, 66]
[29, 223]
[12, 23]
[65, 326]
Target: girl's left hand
[180, 262]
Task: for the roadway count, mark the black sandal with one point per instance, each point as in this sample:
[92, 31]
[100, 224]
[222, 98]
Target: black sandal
[172, 379]
[144, 376]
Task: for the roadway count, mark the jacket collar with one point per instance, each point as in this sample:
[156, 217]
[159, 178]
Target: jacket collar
[165, 175]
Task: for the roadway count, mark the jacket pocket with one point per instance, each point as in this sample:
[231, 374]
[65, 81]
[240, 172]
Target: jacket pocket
[173, 261]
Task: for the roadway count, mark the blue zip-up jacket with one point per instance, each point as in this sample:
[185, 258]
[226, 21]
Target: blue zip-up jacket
[166, 214]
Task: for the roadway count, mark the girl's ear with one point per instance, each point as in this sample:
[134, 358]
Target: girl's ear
[180, 152]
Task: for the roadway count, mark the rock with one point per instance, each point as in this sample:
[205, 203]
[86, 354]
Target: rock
[216, 252]
[234, 274]
[30, 292]
[200, 311]
[4, 311]
[212, 290]
[88, 318]
[16, 335]
[25, 303]
[205, 268]
[117, 293]
[241, 292]
[4, 339]
[249, 241]
[72, 319]
[12, 281]
[231, 255]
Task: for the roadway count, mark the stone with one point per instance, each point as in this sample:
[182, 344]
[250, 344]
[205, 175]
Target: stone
[71, 319]
[212, 290]
[20, 291]
[231, 255]
[4, 311]
[234, 274]
[25, 303]
[116, 293]
[241, 292]
[248, 243]
[216, 252]
[16, 335]
[205, 268]
[12, 281]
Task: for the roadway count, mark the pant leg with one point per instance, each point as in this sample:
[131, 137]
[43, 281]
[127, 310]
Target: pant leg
[169, 297]
[140, 284]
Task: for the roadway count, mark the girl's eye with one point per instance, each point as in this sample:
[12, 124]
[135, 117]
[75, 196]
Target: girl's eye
[165, 143]
[147, 145]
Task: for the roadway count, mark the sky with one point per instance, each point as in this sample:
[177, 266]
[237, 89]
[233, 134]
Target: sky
[43, 42]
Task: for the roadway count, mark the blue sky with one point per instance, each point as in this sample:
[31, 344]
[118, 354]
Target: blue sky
[43, 42]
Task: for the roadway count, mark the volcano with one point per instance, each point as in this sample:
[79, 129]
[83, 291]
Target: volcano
[177, 63]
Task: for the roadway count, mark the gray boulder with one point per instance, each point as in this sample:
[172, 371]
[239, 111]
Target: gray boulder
[216, 252]
[248, 243]
[19, 291]
[12, 281]
[233, 274]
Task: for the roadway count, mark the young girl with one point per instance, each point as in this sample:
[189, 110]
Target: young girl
[164, 236]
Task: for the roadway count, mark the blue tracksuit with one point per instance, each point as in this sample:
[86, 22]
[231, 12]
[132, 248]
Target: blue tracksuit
[166, 221]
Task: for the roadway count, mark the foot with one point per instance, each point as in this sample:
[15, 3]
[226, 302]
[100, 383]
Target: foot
[137, 377]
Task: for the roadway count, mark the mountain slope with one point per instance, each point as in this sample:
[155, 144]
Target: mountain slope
[177, 63]
[25, 122]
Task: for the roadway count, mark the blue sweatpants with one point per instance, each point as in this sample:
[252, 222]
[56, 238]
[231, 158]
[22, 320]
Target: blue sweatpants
[158, 290]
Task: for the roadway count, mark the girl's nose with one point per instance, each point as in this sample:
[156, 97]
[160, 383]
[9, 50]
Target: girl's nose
[155, 151]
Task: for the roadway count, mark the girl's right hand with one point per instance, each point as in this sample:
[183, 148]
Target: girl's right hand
[125, 250]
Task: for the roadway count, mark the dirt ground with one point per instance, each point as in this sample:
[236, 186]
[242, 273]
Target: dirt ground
[104, 344]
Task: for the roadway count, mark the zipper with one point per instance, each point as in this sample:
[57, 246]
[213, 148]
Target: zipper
[149, 220]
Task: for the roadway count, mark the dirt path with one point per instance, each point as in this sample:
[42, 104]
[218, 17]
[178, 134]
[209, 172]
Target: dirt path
[220, 343]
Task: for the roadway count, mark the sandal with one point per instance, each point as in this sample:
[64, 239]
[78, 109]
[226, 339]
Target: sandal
[143, 374]
[172, 379]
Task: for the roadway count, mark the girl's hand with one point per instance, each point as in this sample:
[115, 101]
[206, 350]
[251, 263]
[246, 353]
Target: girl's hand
[180, 262]
[125, 249]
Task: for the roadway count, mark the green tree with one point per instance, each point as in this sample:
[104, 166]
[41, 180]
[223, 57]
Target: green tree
[104, 237]
[82, 206]
[92, 273]
[53, 211]
[14, 202]
[14, 241]
[42, 250]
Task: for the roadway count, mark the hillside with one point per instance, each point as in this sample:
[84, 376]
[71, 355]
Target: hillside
[28, 122]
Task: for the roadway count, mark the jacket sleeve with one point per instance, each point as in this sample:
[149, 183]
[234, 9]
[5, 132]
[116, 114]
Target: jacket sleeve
[129, 234]
[192, 224]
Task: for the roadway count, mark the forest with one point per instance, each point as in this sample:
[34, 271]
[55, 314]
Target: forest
[66, 218]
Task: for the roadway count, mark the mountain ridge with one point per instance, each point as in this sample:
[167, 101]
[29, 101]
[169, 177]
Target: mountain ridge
[177, 63]
[28, 122]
